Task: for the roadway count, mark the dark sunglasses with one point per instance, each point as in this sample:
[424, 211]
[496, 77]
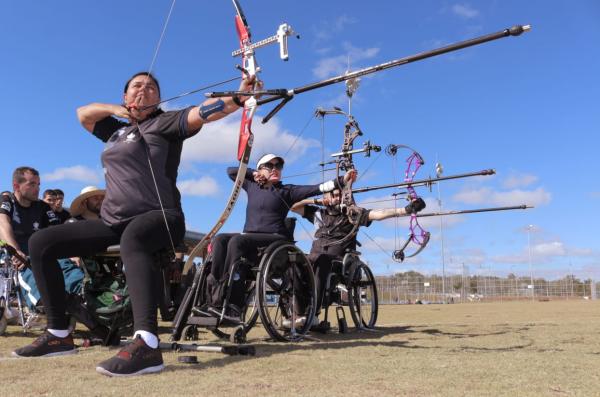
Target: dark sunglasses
[269, 166]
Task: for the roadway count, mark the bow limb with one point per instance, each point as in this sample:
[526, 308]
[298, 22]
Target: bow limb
[245, 141]
[417, 236]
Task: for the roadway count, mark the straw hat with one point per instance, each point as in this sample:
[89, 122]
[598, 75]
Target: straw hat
[88, 191]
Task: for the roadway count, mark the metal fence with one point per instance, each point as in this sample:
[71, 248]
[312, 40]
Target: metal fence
[413, 287]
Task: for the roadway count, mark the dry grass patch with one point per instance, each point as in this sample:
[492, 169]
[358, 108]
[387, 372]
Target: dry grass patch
[495, 349]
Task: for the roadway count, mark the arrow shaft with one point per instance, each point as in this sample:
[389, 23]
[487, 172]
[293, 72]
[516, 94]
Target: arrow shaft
[515, 207]
[425, 182]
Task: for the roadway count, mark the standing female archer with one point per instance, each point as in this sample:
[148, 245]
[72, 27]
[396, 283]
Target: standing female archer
[141, 212]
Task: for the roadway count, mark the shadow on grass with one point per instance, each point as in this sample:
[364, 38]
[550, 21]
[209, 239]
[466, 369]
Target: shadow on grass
[354, 339]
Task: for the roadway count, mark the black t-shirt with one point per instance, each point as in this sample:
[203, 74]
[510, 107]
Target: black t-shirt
[332, 226]
[27, 220]
[63, 215]
[130, 188]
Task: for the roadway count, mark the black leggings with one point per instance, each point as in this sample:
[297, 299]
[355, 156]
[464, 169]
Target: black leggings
[227, 248]
[139, 239]
[322, 264]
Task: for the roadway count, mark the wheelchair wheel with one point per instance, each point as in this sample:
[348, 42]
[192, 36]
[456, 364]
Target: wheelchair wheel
[190, 333]
[362, 297]
[286, 292]
[3, 323]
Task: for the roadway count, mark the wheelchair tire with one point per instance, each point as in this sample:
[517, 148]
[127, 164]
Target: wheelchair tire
[238, 335]
[279, 292]
[3, 324]
[189, 333]
[362, 297]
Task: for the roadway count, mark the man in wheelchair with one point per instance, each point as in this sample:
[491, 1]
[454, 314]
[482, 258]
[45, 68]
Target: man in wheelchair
[269, 201]
[332, 226]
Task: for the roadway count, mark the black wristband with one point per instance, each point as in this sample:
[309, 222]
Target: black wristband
[236, 100]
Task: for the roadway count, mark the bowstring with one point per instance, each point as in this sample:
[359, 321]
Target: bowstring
[160, 202]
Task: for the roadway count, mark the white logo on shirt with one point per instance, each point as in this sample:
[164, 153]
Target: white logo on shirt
[36, 226]
[130, 137]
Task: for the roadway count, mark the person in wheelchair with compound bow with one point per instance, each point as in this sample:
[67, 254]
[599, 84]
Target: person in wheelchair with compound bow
[269, 201]
[336, 234]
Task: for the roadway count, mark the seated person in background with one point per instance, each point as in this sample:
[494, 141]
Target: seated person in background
[87, 205]
[62, 213]
[21, 215]
[332, 225]
[269, 202]
[49, 197]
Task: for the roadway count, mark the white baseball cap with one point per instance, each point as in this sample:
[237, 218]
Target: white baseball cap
[268, 157]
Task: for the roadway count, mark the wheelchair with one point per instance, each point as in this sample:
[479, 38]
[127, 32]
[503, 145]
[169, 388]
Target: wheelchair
[350, 283]
[103, 305]
[11, 295]
[279, 289]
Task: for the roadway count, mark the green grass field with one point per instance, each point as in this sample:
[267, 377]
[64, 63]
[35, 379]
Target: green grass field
[483, 349]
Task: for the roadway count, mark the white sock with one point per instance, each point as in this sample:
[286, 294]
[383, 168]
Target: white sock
[59, 333]
[148, 337]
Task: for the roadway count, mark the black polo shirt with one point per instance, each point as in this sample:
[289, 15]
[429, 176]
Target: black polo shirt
[130, 186]
[27, 220]
[332, 226]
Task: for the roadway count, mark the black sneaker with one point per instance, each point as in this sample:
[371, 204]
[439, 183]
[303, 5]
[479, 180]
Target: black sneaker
[47, 345]
[136, 358]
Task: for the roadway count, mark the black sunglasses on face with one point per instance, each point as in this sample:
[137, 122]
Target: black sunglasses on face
[270, 166]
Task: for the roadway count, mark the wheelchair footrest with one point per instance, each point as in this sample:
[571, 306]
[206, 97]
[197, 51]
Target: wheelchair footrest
[203, 321]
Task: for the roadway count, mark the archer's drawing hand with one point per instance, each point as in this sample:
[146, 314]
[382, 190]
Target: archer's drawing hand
[259, 178]
[122, 112]
[415, 206]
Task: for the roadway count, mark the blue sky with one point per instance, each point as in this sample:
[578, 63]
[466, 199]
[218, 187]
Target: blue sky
[527, 107]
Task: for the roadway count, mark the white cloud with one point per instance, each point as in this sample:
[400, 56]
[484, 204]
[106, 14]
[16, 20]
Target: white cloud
[327, 29]
[464, 10]
[519, 180]
[217, 142]
[553, 248]
[336, 65]
[544, 252]
[513, 197]
[79, 173]
[204, 186]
